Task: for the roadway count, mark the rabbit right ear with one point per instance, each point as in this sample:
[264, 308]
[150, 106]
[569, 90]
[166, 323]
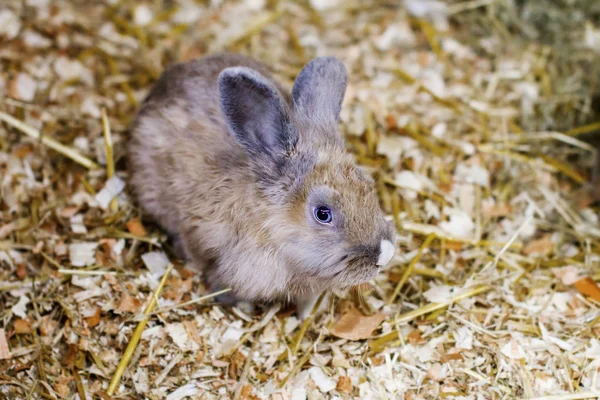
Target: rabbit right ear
[319, 89]
[256, 113]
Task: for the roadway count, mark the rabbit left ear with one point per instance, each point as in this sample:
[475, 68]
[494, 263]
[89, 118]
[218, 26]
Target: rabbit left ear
[256, 113]
[319, 89]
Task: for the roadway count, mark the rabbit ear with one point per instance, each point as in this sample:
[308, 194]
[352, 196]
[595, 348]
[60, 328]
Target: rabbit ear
[319, 89]
[256, 113]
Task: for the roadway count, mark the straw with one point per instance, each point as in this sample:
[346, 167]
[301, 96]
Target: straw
[137, 334]
[53, 144]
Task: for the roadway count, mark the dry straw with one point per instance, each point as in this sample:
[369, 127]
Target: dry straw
[137, 334]
[110, 160]
[48, 141]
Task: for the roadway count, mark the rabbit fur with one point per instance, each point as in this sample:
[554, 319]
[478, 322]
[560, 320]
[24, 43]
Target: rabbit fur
[233, 166]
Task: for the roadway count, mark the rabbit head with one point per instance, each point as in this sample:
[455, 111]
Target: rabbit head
[323, 211]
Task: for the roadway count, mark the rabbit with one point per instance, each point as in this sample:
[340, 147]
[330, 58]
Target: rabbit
[254, 182]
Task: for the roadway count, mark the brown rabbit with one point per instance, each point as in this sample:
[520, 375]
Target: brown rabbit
[255, 183]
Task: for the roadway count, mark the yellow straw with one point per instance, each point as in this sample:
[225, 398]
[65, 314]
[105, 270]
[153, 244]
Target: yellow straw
[411, 267]
[137, 335]
[53, 144]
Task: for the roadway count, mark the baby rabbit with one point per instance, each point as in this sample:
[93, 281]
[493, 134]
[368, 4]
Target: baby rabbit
[255, 183]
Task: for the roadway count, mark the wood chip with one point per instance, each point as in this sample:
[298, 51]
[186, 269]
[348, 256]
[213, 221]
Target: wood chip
[236, 365]
[70, 356]
[22, 87]
[23, 150]
[94, 319]
[21, 271]
[447, 357]
[415, 337]
[355, 326]
[22, 326]
[48, 325]
[4, 351]
[135, 227]
[129, 304]
[247, 393]
[496, 210]
[192, 331]
[344, 385]
[539, 247]
[588, 287]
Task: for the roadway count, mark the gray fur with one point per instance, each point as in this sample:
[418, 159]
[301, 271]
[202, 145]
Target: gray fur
[243, 95]
[318, 93]
[220, 158]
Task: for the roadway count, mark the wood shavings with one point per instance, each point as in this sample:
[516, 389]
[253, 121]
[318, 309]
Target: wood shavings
[22, 87]
[542, 246]
[189, 390]
[568, 275]
[113, 187]
[460, 225]
[135, 226]
[439, 294]
[22, 326]
[180, 337]
[593, 350]
[472, 174]
[156, 262]
[322, 5]
[4, 350]
[436, 10]
[20, 309]
[395, 35]
[82, 254]
[69, 70]
[229, 339]
[457, 109]
[512, 349]
[587, 286]
[553, 339]
[411, 181]
[464, 338]
[35, 40]
[323, 382]
[344, 385]
[93, 319]
[129, 304]
[142, 15]
[10, 24]
[77, 225]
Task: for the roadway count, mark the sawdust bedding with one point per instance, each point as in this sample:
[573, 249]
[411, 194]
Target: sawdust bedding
[467, 114]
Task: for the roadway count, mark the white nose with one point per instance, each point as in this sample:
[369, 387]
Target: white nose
[386, 253]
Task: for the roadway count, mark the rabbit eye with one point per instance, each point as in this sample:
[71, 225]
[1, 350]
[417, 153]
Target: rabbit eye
[323, 214]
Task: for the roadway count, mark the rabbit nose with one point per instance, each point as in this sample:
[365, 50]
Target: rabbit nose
[386, 253]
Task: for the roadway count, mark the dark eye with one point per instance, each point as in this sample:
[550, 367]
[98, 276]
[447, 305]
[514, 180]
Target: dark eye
[323, 214]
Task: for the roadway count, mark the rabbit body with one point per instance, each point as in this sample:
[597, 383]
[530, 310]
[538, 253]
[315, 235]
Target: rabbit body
[254, 181]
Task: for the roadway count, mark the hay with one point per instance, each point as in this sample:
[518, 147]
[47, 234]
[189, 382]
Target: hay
[469, 114]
